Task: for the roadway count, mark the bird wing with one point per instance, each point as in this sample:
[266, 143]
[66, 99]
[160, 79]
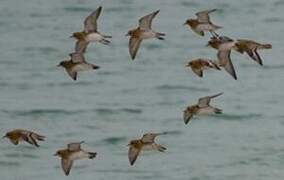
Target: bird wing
[133, 154]
[226, 62]
[203, 16]
[77, 57]
[72, 74]
[204, 101]
[66, 165]
[146, 21]
[27, 136]
[134, 44]
[74, 146]
[81, 46]
[199, 72]
[254, 55]
[90, 22]
[149, 137]
[187, 116]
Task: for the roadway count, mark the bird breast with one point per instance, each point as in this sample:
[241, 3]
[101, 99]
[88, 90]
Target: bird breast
[205, 110]
[147, 34]
[205, 27]
[148, 147]
[78, 155]
[92, 37]
[82, 67]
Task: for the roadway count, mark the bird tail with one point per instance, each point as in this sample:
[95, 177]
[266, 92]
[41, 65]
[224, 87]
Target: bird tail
[161, 148]
[218, 111]
[92, 155]
[40, 137]
[266, 46]
[160, 36]
[105, 41]
[95, 67]
[107, 36]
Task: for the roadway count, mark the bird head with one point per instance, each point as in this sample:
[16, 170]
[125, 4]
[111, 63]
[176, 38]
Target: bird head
[129, 33]
[191, 22]
[189, 64]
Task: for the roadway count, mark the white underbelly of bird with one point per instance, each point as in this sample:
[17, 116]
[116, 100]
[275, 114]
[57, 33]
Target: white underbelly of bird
[205, 27]
[148, 35]
[79, 155]
[94, 37]
[149, 147]
[226, 46]
[82, 67]
[205, 110]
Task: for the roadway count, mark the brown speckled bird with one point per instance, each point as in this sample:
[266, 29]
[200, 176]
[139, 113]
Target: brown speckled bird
[18, 135]
[202, 23]
[90, 32]
[147, 142]
[250, 47]
[224, 45]
[199, 65]
[143, 31]
[73, 152]
[202, 107]
[75, 64]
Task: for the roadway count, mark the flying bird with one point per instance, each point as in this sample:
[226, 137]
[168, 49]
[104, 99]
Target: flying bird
[75, 64]
[203, 23]
[18, 135]
[202, 107]
[73, 152]
[90, 32]
[224, 45]
[199, 65]
[250, 47]
[147, 142]
[143, 31]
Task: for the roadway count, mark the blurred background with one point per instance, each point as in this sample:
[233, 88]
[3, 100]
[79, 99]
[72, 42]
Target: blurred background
[126, 98]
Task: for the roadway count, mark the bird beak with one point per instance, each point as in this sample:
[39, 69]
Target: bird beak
[187, 65]
[127, 34]
[55, 154]
[4, 137]
[58, 65]
[184, 23]
[71, 36]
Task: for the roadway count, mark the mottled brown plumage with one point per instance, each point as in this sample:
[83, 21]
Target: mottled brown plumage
[90, 32]
[202, 107]
[145, 143]
[76, 63]
[71, 153]
[199, 65]
[19, 135]
[202, 23]
[143, 31]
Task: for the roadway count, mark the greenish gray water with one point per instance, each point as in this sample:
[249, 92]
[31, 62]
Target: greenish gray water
[125, 98]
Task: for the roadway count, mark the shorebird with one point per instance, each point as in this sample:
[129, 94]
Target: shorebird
[199, 65]
[242, 46]
[73, 152]
[90, 32]
[147, 142]
[224, 45]
[202, 107]
[75, 64]
[250, 47]
[18, 135]
[203, 23]
[144, 31]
